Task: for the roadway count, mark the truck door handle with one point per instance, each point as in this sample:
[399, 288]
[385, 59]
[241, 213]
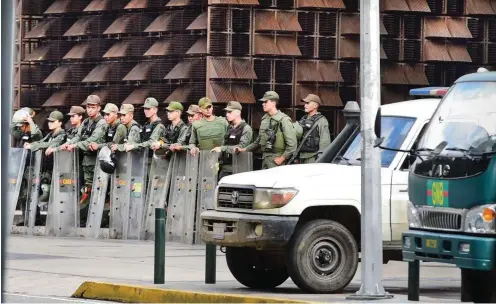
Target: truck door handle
[404, 190]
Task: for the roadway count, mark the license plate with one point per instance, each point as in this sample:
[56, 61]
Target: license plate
[431, 243]
[219, 230]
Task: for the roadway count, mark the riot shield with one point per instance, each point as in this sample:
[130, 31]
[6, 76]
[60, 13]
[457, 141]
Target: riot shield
[17, 162]
[63, 215]
[181, 209]
[207, 181]
[157, 191]
[97, 202]
[34, 184]
[242, 162]
[139, 168]
[119, 196]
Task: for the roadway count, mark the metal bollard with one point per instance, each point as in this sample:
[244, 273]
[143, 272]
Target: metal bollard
[210, 263]
[159, 265]
[413, 280]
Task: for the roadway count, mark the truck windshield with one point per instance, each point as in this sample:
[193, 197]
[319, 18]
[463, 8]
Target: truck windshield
[465, 121]
[394, 130]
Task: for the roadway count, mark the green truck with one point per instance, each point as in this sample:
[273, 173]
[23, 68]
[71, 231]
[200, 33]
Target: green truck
[452, 187]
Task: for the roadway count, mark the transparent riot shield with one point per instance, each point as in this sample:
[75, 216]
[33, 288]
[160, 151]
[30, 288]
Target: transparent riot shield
[17, 162]
[207, 181]
[63, 215]
[119, 196]
[242, 162]
[182, 203]
[34, 184]
[97, 202]
[139, 168]
[157, 191]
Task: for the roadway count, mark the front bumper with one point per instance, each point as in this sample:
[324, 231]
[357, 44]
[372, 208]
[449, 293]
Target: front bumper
[446, 248]
[240, 229]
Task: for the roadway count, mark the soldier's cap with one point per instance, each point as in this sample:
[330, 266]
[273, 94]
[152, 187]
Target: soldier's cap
[93, 100]
[126, 108]
[193, 109]
[110, 107]
[56, 115]
[150, 102]
[312, 97]
[175, 106]
[204, 102]
[270, 95]
[76, 110]
[233, 105]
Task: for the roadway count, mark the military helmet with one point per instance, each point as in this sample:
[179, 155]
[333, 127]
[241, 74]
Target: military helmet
[107, 160]
[19, 117]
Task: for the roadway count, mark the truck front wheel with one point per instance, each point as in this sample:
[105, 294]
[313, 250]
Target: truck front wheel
[322, 257]
[478, 286]
[256, 268]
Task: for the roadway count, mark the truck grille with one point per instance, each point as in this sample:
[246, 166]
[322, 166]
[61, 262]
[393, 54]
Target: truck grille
[441, 218]
[238, 198]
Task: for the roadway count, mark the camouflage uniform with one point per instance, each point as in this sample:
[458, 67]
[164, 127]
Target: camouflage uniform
[133, 129]
[72, 132]
[52, 140]
[152, 131]
[280, 128]
[173, 133]
[205, 134]
[183, 139]
[20, 138]
[117, 132]
[319, 139]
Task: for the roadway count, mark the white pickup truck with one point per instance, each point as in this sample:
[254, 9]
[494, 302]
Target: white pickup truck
[303, 221]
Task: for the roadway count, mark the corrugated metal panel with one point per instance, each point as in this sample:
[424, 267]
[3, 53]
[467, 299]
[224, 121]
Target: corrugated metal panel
[160, 48]
[336, 4]
[350, 24]
[64, 98]
[395, 5]
[418, 5]
[108, 71]
[151, 70]
[349, 48]
[415, 74]
[68, 73]
[435, 51]
[288, 46]
[223, 93]
[165, 22]
[200, 47]
[394, 74]
[188, 69]
[129, 48]
[330, 97]
[138, 96]
[140, 71]
[66, 6]
[458, 27]
[458, 52]
[243, 93]
[187, 92]
[59, 75]
[113, 94]
[481, 7]
[51, 50]
[265, 45]
[266, 21]
[200, 23]
[307, 71]
[130, 23]
[329, 71]
[94, 48]
[50, 27]
[288, 21]
[34, 96]
[137, 4]
[105, 5]
[243, 69]
[436, 27]
[229, 68]
[181, 2]
[88, 25]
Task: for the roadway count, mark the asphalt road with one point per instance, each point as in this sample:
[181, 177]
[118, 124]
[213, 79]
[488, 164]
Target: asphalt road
[25, 298]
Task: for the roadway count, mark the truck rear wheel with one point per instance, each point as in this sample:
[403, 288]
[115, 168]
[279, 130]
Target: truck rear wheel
[322, 257]
[478, 286]
[255, 268]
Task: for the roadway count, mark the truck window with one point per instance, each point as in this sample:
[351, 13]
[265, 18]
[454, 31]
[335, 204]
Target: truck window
[408, 159]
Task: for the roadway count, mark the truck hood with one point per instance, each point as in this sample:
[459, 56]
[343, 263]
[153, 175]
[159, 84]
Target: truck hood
[297, 175]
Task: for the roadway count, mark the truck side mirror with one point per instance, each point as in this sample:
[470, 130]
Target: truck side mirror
[377, 129]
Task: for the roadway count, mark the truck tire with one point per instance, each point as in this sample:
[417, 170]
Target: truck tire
[478, 286]
[255, 268]
[322, 257]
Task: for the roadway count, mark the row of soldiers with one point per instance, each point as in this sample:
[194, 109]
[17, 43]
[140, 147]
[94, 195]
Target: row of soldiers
[280, 140]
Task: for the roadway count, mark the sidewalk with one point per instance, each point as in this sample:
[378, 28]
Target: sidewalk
[58, 267]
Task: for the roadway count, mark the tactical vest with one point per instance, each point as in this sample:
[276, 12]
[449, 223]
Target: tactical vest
[172, 133]
[210, 134]
[312, 143]
[109, 137]
[147, 130]
[232, 138]
[133, 123]
[89, 128]
[279, 145]
[188, 134]
[71, 133]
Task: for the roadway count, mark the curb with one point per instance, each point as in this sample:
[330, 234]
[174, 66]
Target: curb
[141, 294]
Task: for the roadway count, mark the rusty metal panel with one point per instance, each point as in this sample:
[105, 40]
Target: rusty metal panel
[221, 68]
[138, 96]
[288, 46]
[130, 23]
[242, 93]
[223, 93]
[394, 74]
[350, 24]
[149, 70]
[436, 27]
[130, 47]
[188, 69]
[307, 71]
[187, 92]
[349, 48]
[113, 94]
[52, 50]
[330, 97]
[415, 74]
[200, 47]
[481, 7]
[88, 25]
[140, 71]
[288, 21]
[458, 27]
[94, 48]
[68, 73]
[108, 71]
[49, 27]
[265, 45]
[142, 4]
[105, 5]
[200, 23]
[181, 2]
[329, 71]
[66, 6]
[335, 4]
[418, 6]
[165, 22]
[435, 51]
[160, 48]
[458, 52]
[63, 98]
[243, 69]
[34, 96]
[266, 21]
[395, 5]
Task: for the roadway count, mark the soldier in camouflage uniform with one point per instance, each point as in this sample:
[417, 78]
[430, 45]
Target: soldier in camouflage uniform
[208, 132]
[77, 114]
[277, 136]
[133, 129]
[55, 138]
[319, 138]
[152, 131]
[92, 130]
[239, 134]
[26, 131]
[175, 130]
[194, 114]
[116, 132]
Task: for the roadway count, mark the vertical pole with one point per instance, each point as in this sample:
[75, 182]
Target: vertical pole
[370, 95]
[413, 280]
[159, 265]
[210, 263]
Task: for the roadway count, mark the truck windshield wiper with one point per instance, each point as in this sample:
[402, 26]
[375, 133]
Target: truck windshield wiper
[347, 160]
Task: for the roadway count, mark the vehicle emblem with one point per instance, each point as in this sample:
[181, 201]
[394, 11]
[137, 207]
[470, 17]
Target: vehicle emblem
[235, 197]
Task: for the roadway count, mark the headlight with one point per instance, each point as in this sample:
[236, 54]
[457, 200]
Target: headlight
[273, 198]
[481, 219]
[413, 216]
